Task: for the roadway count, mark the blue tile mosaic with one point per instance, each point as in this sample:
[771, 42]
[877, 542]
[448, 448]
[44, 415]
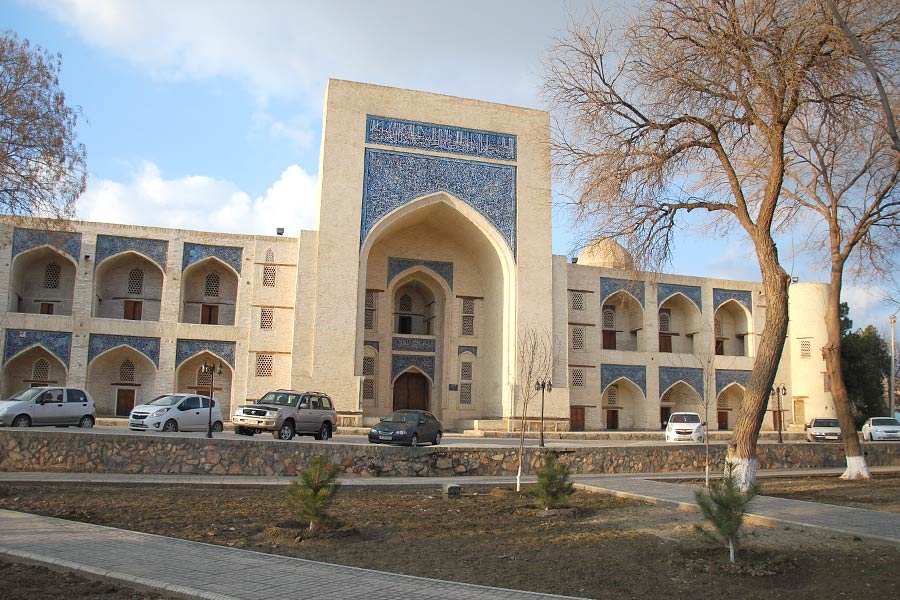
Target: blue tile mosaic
[664, 291]
[230, 255]
[669, 376]
[609, 286]
[401, 362]
[372, 344]
[636, 374]
[725, 377]
[472, 349]
[186, 349]
[57, 343]
[440, 138]
[720, 297]
[406, 344]
[110, 245]
[67, 242]
[398, 265]
[100, 343]
[393, 179]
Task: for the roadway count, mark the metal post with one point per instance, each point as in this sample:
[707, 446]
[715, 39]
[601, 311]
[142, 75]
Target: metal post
[781, 391]
[543, 384]
[893, 399]
[212, 386]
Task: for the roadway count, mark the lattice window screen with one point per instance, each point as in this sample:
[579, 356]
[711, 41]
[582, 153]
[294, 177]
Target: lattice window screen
[612, 395]
[264, 364]
[136, 281]
[370, 310]
[577, 301]
[51, 276]
[805, 349]
[722, 401]
[369, 374]
[578, 338]
[719, 329]
[211, 288]
[126, 372]
[468, 325]
[577, 377]
[465, 371]
[270, 255]
[41, 370]
[405, 304]
[266, 318]
[609, 318]
[269, 276]
[465, 393]
[664, 322]
[204, 379]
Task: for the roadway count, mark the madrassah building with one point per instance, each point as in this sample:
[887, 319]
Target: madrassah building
[431, 260]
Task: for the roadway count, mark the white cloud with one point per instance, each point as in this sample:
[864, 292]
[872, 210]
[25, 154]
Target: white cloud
[203, 203]
[867, 305]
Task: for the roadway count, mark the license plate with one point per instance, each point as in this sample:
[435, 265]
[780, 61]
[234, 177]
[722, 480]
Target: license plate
[384, 437]
[831, 437]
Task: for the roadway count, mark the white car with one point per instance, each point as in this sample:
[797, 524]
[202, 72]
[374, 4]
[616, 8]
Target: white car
[60, 406]
[881, 428]
[176, 412]
[821, 430]
[685, 427]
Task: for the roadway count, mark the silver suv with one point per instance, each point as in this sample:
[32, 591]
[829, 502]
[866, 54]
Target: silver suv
[286, 412]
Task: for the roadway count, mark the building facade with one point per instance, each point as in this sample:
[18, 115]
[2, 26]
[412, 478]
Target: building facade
[431, 259]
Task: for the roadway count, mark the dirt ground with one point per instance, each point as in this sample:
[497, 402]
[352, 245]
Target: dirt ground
[881, 493]
[604, 548]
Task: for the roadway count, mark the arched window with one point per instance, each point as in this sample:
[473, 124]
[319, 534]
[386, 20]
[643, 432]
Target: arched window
[405, 304]
[270, 256]
[718, 326]
[466, 376]
[664, 322]
[136, 281]
[126, 372]
[40, 371]
[370, 371]
[51, 276]
[609, 318]
[212, 285]
[612, 395]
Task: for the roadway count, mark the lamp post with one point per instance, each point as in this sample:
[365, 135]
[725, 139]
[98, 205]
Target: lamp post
[778, 392]
[543, 383]
[893, 399]
[212, 370]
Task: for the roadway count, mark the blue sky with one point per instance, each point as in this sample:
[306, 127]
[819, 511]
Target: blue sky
[207, 115]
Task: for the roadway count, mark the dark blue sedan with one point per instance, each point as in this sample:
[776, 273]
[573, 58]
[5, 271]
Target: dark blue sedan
[408, 427]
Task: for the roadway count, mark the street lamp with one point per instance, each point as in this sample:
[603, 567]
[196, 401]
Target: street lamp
[778, 392]
[543, 383]
[212, 370]
[892, 386]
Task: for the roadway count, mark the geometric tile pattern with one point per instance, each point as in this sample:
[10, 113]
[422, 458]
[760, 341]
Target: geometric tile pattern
[666, 290]
[65, 241]
[669, 376]
[188, 348]
[393, 179]
[636, 374]
[720, 296]
[100, 343]
[401, 362]
[472, 349]
[398, 265]
[440, 138]
[725, 377]
[110, 245]
[230, 255]
[609, 286]
[57, 343]
[405, 344]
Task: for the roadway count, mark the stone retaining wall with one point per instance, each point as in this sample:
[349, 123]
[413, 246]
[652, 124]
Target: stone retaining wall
[26, 450]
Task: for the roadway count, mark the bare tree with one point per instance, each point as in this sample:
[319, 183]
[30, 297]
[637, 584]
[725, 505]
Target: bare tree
[42, 166]
[843, 170]
[686, 107]
[536, 361]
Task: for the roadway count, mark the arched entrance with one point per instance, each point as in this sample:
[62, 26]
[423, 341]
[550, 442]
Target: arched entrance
[411, 390]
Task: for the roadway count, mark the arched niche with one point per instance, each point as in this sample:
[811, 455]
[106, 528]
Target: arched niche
[189, 378]
[209, 290]
[733, 330]
[35, 366]
[622, 322]
[728, 403]
[679, 321]
[681, 397]
[622, 405]
[42, 280]
[128, 286]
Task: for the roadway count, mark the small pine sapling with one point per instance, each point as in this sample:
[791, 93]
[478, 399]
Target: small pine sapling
[724, 506]
[309, 496]
[553, 485]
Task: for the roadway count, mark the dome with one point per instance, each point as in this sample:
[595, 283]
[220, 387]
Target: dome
[606, 253]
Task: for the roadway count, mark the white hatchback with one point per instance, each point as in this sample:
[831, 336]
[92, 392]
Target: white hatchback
[60, 406]
[685, 427]
[176, 412]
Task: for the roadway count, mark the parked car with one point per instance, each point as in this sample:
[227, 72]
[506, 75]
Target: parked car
[685, 427]
[820, 430]
[410, 427]
[285, 413]
[176, 412]
[881, 428]
[61, 406]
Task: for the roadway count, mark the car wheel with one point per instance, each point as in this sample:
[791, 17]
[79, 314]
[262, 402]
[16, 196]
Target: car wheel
[86, 422]
[324, 432]
[170, 426]
[286, 432]
[22, 421]
[217, 427]
[414, 440]
[437, 439]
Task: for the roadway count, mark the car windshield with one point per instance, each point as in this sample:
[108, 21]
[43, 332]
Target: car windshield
[27, 394]
[676, 418]
[825, 423]
[401, 416]
[279, 399]
[885, 421]
[167, 400]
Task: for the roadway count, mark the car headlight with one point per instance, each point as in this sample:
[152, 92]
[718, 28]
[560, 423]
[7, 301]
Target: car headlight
[160, 412]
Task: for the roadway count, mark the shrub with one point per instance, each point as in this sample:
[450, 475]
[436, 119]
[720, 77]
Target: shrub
[309, 496]
[553, 485]
[724, 507]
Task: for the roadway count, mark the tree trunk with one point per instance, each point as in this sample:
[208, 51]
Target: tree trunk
[742, 450]
[856, 462]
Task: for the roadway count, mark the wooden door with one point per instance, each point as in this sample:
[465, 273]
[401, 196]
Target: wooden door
[799, 411]
[612, 419]
[664, 413]
[576, 418]
[722, 419]
[124, 402]
[133, 310]
[46, 308]
[209, 314]
[665, 342]
[609, 339]
[411, 391]
[720, 347]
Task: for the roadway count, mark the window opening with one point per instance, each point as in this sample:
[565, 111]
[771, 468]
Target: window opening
[266, 318]
[51, 276]
[609, 318]
[664, 322]
[270, 255]
[41, 370]
[211, 287]
[405, 304]
[612, 395]
[269, 276]
[577, 301]
[126, 372]
[264, 364]
[578, 338]
[805, 349]
[136, 281]
[370, 310]
[577, 377]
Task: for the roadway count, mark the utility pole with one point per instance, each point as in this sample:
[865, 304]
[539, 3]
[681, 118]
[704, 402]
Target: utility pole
[893, 399]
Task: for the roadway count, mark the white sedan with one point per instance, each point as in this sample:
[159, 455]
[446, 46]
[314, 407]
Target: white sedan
[881, 428]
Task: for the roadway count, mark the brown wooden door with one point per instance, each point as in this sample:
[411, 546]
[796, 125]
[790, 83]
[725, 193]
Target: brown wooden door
[612, 419]
[665, 342]
[46, 308]
[133, 310]
[720, 347]
[664, 413]
[609, 339]
[124, 402]
[576, 418]
[722, 419]
[411, 391]
[209, 314]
